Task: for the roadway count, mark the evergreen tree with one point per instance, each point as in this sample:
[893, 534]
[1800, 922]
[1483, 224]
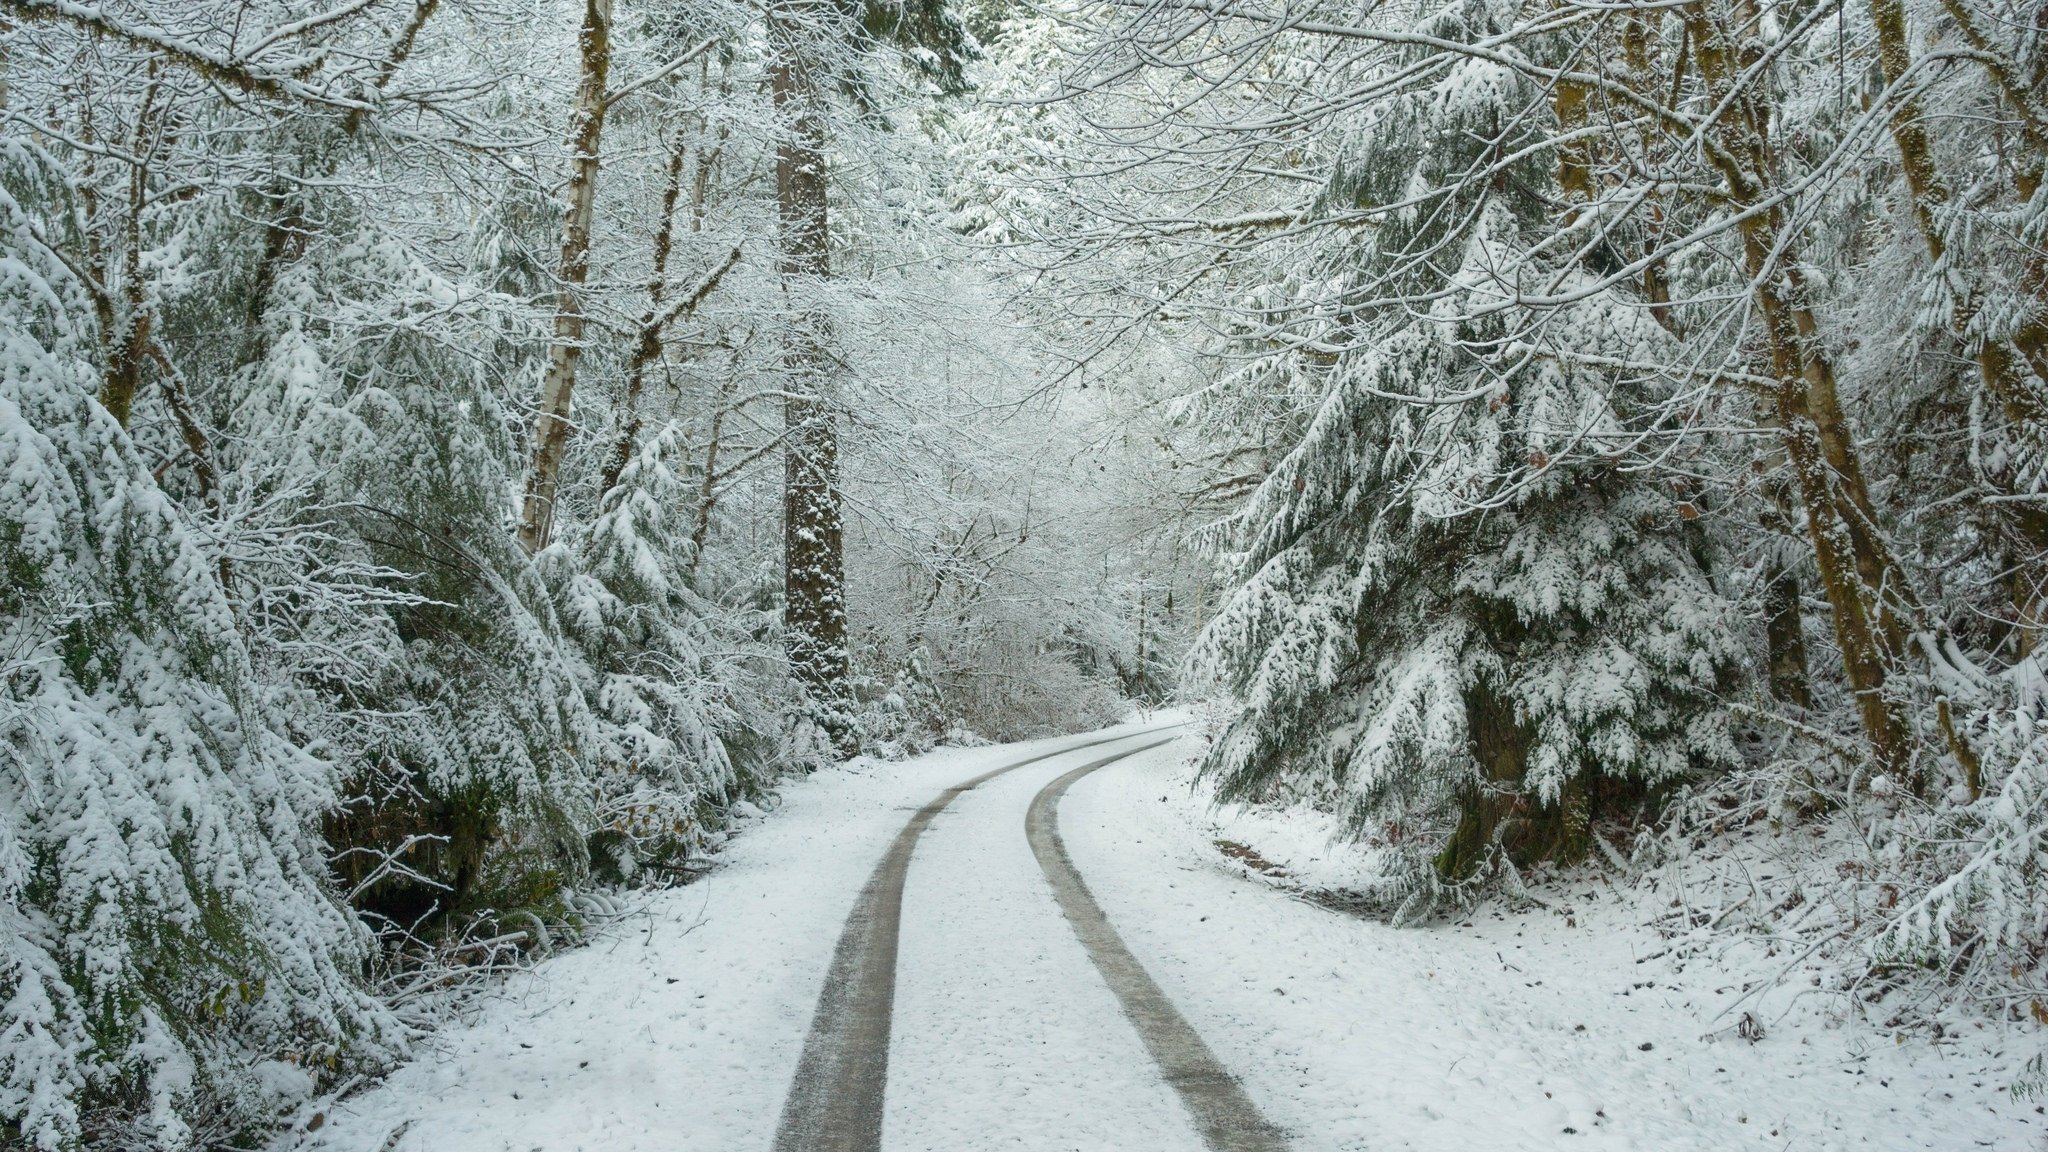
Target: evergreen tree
[1459, 613]
[167, 929]
[819, 48]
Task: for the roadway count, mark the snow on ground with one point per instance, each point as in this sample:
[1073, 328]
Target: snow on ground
[1005, 1036]
[1512, 1031]
[681, 1030]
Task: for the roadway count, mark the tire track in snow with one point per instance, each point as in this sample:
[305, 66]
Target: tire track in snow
[1226, 1117]
[835, 1103]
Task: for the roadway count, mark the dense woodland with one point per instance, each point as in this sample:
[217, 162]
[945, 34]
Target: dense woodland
[456, 453]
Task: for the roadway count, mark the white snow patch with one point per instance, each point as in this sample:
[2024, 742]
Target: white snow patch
[1504, 1029]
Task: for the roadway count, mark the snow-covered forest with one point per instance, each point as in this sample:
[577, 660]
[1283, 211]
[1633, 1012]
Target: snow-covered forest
[462, 462]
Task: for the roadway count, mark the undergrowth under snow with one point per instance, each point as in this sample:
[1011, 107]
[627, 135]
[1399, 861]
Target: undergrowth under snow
[1750, 932]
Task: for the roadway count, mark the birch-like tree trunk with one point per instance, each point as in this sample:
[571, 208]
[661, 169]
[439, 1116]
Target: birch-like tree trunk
[558, 386]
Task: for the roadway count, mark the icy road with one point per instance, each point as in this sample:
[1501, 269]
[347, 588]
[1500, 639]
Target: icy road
[1038, 947]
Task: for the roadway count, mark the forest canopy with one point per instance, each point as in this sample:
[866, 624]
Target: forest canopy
[456, 454]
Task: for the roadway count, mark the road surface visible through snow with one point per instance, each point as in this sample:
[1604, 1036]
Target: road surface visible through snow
[682, 1028]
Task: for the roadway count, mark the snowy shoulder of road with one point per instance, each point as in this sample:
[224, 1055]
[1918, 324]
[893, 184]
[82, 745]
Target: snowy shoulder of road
[1512, 1030]
[681, 1028]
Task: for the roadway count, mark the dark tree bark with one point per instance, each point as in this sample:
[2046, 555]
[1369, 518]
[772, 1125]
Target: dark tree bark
[814, 578]
[647, 349]
[1785, 640]
[1500, 749]
[124, 322]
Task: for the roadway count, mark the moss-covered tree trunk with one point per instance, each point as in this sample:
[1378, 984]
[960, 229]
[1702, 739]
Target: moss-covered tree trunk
[1865, 587]
[1500, 749]
[1785, 639]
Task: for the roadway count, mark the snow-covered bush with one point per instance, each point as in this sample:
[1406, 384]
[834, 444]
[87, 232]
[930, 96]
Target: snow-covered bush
[682, 691]
[1948, 890]
[279, 682]
[167, 928]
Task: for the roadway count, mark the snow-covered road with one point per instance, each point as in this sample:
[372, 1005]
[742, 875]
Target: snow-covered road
[839, 1099]
[683, 1029]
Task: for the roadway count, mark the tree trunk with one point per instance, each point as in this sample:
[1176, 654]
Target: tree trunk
[1785, 639]
[707, 492]
[2013, 371]
[1639, 39]
[551, 427]
[2024, 99]
[648, 348]
[124, 324]
[1500, 748]
[1996, 364]
[814, 614]
[1864, 587]
[401, 51]
[2019, 91]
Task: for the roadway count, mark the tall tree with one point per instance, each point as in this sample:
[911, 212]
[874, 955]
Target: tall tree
[813, 528]
[819, 48]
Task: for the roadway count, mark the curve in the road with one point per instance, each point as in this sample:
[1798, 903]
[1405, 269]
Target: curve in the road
[835, 1102]
[1226, 1117]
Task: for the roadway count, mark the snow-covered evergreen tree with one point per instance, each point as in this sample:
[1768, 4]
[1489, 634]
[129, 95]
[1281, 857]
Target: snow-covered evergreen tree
[1461, 611]
[1459, 623]
[167, 927]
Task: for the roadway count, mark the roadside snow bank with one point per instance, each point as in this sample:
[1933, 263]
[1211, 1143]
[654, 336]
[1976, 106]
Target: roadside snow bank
[1573, 1025]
